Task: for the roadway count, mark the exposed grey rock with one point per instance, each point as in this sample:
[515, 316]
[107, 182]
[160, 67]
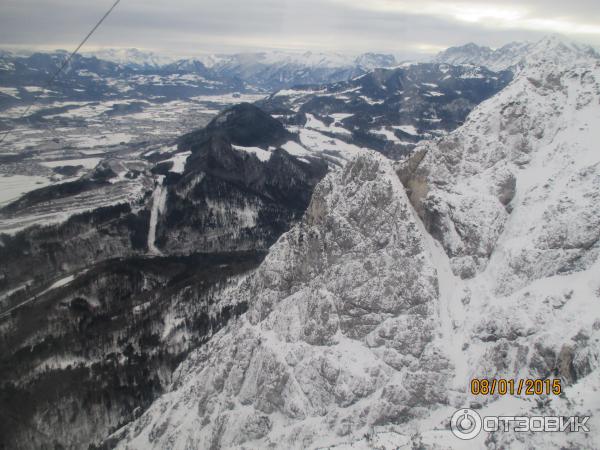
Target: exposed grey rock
[351, 284]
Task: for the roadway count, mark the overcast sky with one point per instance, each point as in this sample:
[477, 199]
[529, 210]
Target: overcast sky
[187, 27]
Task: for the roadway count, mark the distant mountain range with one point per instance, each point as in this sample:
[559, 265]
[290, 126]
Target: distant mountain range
[278, 70]
[264, 71]
[136, 75]
[515, 55]
[390, 110]
[132, 57]
[136, 58]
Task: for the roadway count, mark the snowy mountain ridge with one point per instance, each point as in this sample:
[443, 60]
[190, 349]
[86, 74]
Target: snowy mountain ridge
[308, 59]
[276, 69]
[516, 55]
[131, 56]
[477, 257]
[267, 71]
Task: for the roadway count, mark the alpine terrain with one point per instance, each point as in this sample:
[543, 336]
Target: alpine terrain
[297, 250]
[474, 257]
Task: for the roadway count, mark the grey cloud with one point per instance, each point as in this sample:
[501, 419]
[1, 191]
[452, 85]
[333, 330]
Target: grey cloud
[188, 27]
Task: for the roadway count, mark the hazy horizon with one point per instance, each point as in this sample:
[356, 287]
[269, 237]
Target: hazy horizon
[166, 55]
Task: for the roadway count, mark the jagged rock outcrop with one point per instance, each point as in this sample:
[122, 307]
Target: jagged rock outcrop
[512, 198]
[525, 148]
[339, 335]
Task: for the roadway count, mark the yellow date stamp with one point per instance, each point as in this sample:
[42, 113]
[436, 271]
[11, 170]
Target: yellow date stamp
[523, 386]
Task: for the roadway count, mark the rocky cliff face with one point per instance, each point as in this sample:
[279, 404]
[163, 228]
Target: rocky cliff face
[367, 321]
[520, 159]
[240, 190]
[321, 354]
[511, 198]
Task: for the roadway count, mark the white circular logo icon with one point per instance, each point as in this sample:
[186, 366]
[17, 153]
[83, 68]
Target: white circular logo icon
[465, 424]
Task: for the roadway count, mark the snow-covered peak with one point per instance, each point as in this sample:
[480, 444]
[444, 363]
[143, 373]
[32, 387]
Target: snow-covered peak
[209, 60]
[308, 59]
[559, 51]
[370, 61]
[516, 55]
[131, 56]
[466, 54]
[280, 58]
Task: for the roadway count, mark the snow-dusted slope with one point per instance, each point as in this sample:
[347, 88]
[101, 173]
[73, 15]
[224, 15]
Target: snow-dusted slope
[513, 198]
[389, 110]
[368, 320]
[520, 159]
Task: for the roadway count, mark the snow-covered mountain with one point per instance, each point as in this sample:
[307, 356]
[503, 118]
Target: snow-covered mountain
[503, 58]
[515, 55]
[328, 60]
[277, 69]
[370, 61]
[387, 285]
[313, 361]
[389, 110]
[131, 73]
[117, 289]
[132, 57]
[90, 78]
[477, 257]
[240, 188]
